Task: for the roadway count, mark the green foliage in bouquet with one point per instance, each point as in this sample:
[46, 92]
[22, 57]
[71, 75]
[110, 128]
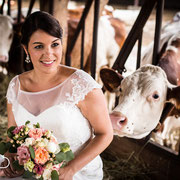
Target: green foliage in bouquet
[38, 152]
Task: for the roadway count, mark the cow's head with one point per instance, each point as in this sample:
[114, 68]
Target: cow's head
[142, 97]
[6, 33]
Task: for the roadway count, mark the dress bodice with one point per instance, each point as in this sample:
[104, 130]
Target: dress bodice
[56, 109]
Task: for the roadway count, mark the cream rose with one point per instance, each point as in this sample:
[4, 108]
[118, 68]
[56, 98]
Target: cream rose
[29, 141]
[47, 174]
[53, 147]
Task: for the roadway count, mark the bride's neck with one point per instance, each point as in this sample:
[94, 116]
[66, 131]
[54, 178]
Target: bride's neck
[44, 78]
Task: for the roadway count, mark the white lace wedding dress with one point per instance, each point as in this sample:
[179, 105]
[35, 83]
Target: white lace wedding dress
[55, 109]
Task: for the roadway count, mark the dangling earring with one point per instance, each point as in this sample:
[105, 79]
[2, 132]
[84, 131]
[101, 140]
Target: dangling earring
[27, 60]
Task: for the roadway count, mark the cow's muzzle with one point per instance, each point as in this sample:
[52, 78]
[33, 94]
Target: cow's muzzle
[118, 120]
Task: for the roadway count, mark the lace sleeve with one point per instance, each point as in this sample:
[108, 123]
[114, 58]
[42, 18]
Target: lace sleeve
[82, 85]
[11, 91]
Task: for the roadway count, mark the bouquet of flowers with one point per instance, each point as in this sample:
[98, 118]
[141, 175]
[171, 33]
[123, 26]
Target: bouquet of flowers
[38, 151]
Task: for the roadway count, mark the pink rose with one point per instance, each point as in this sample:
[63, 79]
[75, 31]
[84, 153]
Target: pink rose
[17, 129]
[23, 154]
[38, 169]
[57, 166]
[53, 139]
[36, 133]
[44, 131]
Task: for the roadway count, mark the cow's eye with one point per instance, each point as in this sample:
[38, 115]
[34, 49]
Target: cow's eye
[120, 90]
[155, 96]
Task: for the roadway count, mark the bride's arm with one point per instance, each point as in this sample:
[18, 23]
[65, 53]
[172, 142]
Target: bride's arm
[11, 120]
[94, 108]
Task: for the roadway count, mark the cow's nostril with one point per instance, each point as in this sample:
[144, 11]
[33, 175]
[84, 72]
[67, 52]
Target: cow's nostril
[3, 58]
[118, 120]
[122, 120]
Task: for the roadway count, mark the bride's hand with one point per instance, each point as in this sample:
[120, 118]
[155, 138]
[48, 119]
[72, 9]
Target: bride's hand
[10, 171]
[66, 173]
[1, 173]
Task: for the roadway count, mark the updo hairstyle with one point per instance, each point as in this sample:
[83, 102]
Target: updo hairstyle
[43, 21]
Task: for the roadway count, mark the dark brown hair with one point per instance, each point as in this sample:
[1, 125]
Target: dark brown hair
[43, 21]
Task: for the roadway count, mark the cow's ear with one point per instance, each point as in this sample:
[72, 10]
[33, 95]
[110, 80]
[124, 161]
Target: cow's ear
[173, 96]
[111, 79]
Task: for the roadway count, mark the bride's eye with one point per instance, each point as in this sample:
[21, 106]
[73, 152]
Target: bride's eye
[38, 47]
[55, 44]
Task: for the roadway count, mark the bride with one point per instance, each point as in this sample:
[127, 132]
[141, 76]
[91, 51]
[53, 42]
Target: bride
[62, 99]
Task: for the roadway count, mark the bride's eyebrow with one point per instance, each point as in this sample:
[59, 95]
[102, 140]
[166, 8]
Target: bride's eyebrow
[56, 40]
[42, 43]
[37, 43]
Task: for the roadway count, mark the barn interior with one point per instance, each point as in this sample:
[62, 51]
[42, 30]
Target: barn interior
[125, 158]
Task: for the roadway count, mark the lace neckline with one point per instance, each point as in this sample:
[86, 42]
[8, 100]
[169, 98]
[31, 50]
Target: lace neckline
[47, 90]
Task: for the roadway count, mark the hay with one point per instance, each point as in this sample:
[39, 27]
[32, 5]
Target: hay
[4, 81]
[3, 127]
[127, 167]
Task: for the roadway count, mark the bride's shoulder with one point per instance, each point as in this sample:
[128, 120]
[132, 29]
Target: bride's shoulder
[17, 78]
[25, 76]
[67, 71]
[71, 70]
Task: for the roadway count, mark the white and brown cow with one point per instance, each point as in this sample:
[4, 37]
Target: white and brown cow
[169, 57]
[6, 32]
[169, 61]
[169, 134]
[111, 36]
[142, 96]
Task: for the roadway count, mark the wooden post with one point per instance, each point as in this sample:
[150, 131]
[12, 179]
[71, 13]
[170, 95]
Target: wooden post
[44, 5]
[61, 13]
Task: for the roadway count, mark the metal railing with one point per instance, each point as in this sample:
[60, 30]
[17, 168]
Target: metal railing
[136, 34]
[81, 26]
[19, 6]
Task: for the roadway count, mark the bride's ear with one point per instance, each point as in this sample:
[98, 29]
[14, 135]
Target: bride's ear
[25, 49]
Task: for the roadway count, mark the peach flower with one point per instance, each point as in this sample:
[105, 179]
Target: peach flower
[36, 133]
[41, 155]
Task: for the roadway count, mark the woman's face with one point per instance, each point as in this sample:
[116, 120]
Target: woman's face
[45, 51]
